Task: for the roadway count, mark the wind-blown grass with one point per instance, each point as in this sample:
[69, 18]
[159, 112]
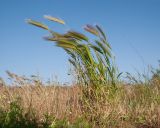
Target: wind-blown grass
[98, 100]
[92, 60]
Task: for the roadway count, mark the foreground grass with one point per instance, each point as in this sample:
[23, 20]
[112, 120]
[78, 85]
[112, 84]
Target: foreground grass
[33, 104]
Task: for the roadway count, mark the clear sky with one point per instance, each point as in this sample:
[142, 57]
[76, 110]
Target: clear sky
[132, 26]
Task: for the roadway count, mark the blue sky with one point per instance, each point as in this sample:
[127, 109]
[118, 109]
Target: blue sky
[132, 26]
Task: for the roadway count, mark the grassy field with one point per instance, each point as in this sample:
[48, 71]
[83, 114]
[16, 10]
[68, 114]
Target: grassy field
[30, 103]
[99, 99]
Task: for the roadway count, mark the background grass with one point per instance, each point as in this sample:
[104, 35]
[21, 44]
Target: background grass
[33, 104]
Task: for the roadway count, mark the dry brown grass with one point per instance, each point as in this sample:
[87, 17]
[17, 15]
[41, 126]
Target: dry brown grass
[131, 106]
[58, 101]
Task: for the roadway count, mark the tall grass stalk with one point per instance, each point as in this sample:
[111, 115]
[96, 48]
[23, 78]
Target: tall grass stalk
[92, 59]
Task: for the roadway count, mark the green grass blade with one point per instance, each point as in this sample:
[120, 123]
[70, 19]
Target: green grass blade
[103, 47]
[101, 32]
[38, 24]
[77, 35]
[91, 29]
[95, 48]
[54, 19]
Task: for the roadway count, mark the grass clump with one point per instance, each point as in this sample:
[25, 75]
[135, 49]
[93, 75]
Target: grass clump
[92, 60]
[93, 64]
